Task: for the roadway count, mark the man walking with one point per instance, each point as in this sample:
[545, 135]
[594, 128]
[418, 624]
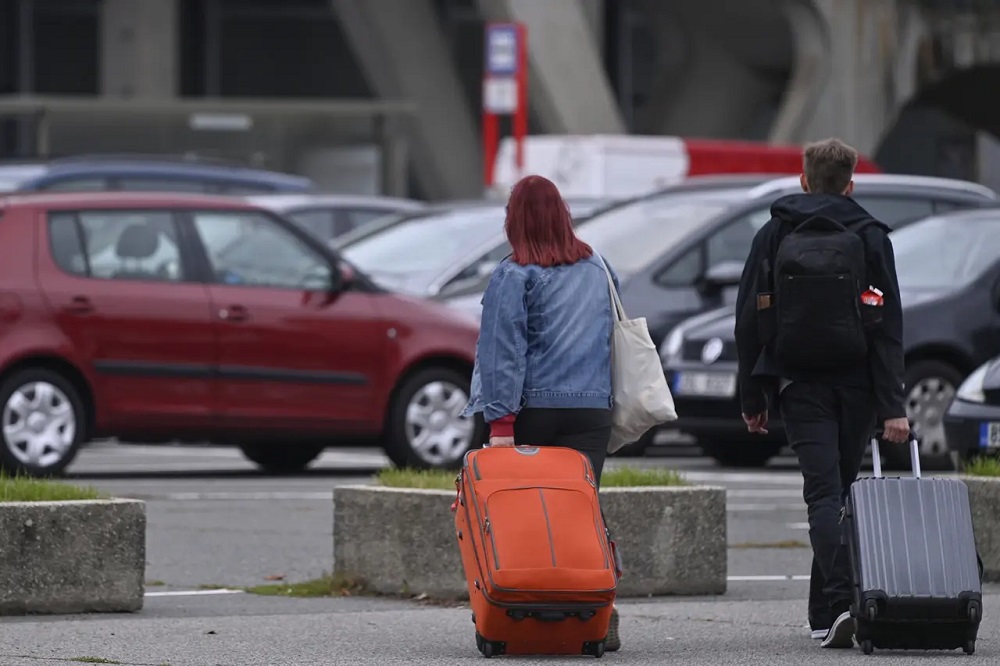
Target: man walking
[819, 333]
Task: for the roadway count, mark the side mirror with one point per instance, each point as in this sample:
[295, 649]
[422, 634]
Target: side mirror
[347, 276]
[723, 274]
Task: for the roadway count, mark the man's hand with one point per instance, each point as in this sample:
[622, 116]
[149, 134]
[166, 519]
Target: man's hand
[501, 441]
[896, 430]
[756, 423]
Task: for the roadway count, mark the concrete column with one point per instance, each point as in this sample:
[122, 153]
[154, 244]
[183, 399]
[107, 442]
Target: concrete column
[568, 87]
[856, 63]
[139, 48]
[714, 89]
[404, 55]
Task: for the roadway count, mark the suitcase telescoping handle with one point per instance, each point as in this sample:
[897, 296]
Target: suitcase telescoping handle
[914, 453]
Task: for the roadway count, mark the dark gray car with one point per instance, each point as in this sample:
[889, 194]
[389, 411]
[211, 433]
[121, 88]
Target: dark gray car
[949, 279]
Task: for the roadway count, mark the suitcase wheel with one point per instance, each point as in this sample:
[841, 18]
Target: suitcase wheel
[489, 648]
[594, 649]
[970, 646]
[867, 647]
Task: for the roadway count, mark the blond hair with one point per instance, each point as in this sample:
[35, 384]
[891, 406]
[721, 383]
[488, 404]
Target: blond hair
[829, 166]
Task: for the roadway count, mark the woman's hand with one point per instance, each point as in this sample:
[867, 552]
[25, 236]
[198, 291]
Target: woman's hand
[501, 441]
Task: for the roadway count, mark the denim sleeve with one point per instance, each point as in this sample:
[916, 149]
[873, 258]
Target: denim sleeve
[503, 344]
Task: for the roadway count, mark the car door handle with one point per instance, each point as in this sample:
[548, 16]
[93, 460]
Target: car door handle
[234, 313]
[79, 305]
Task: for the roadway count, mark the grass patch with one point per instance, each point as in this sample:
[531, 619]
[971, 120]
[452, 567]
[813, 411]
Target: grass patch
[789, 543]
[22, 488]
[983, 467]
[324, 586]
[94, 660]
[615, 477]
[155, 583]
[212, 586]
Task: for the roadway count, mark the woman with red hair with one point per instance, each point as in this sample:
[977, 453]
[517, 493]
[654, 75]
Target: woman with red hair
[543, 360]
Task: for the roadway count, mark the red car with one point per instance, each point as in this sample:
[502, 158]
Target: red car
[162, 317]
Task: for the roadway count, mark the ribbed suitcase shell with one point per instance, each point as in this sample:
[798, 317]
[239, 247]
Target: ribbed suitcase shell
[538, 508]
[916, 566]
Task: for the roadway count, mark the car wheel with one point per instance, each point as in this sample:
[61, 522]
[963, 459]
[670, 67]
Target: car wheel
[638, 448]
[281, 457]
[930, 388]
[425, 426]
[43, 422]
[741, 454]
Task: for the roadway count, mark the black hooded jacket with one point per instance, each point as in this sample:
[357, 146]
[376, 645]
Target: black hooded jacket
[759, 371]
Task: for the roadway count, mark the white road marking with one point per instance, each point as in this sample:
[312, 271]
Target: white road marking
[764, 579]
[772, 478]
[192, 593]
[194, 497]
[758, 492]
[765, 507]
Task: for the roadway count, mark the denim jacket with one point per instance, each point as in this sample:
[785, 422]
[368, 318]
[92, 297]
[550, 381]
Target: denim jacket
[544, 339]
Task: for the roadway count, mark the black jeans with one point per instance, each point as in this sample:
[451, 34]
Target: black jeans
[586, 430]
[828, 427]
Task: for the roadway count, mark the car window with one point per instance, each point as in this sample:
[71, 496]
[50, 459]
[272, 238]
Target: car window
[426, 242]
[117, 245]
[942, 253]
[632, 236]
[894, 210]
[76, 185]
[140, 184]
[317, 221]
[360, 217]
[685, 271]
[251, 249]
[732, 242]
[477, 272]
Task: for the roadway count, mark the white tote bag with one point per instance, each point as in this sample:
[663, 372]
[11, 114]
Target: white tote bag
[641, 398]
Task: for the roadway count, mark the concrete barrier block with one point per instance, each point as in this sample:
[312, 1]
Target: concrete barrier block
[399, 540]
[72, 557]
[984, 498]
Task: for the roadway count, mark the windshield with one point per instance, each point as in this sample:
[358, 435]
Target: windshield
[426, 242]
[632, 236]
[939, 253]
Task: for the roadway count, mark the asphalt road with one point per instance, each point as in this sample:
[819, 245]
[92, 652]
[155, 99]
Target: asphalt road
[213, 521]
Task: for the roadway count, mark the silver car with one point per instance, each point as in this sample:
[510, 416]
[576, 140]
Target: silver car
[329, 216]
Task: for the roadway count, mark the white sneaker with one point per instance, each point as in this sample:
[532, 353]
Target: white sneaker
[817, 634]
[841, 634]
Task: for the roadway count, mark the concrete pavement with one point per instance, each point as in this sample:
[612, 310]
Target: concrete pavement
[239, 630]
[214, 521]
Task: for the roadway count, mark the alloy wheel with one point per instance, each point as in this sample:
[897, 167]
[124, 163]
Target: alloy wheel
[926, 404]
[39, 424]
[434, 426]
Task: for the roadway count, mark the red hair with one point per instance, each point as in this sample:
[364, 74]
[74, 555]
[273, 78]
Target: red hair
[539, 226]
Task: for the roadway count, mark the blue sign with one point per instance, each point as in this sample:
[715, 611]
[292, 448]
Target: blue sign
[501, 49]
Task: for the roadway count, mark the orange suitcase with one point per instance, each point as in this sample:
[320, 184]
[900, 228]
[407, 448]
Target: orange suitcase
[541, 568]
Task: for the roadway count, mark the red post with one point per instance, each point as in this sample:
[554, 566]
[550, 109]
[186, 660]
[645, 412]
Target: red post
[505, 91]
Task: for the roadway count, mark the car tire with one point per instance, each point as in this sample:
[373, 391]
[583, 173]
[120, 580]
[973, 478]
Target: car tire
[742, 453]
[281, 457]
[930, 388]
[424, 429]
[54, 422]
[638, 448]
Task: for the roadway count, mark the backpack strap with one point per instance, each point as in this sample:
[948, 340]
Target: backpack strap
[820, 223]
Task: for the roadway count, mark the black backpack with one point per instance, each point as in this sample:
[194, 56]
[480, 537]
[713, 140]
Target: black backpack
[819, 276]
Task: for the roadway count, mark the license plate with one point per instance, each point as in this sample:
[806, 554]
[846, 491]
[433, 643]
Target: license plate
[989, 436]
[706, 384]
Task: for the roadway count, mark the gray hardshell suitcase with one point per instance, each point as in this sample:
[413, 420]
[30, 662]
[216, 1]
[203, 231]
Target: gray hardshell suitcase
[917, 572]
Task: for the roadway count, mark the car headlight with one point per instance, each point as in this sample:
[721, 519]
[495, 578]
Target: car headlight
[971, 389]
[671, 346]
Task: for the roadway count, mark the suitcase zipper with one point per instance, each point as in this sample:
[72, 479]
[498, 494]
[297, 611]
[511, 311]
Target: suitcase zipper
[487, 529]
[548, 527]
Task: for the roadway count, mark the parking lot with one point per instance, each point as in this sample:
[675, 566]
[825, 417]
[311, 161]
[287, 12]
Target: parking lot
[216, 525]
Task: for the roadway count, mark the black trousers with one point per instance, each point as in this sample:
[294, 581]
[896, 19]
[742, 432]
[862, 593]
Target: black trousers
[586, 430]
[828, 427]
